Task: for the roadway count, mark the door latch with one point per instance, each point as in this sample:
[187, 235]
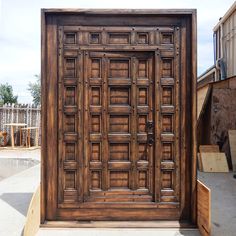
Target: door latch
[150, 140]
[149, 125]
[150, 135]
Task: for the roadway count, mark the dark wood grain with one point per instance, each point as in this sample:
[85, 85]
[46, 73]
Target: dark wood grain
[118, 114]
[43, 119]
[51, 116]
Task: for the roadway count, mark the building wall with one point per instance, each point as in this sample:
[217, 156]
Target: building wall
[229, 44]
[225, 42]
[223, 117]
[219, 116]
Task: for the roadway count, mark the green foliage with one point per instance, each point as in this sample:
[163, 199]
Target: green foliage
[6, 94]
[35, 90]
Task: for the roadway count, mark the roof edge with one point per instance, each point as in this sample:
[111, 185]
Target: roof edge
[226, 16]
[120, 11]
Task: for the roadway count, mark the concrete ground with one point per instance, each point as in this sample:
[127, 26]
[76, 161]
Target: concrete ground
[21, 153]
[13, 161]
[15, 196]
[16, 192]
[223, 202]
[117, 232]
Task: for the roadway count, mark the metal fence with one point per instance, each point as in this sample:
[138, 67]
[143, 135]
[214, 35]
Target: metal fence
[20, 113]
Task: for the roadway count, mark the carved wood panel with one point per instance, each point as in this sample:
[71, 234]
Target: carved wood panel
[119, 119]
[124, 104]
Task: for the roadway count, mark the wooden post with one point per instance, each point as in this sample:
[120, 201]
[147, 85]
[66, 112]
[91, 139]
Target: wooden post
[28, 137]
[37, 137]
[12, 136]
[20, 137]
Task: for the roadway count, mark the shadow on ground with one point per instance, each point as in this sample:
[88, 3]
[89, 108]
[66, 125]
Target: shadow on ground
[19, 201]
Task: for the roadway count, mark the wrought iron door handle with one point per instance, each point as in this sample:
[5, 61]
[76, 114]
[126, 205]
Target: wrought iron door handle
[150, 140]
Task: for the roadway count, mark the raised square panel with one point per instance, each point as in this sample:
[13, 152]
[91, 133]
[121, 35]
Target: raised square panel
[142, 123]
[143, 179]
[142, 96]
[119, 69]
[119, 124]
[167, 68]
[119, 38]
[142, 38]
[119, 179]
[95, 152]
[70, 151]
[70, 180]
[70, 67]
[142, 68]
[167, 96]
[95, 38]
[166, 180]
[119, 151]
[70, 38]
[70, 93]
[69, 123]
[119, 96]
[166, 38]
[167, 151]
[95, 181]
[95, 98]
[167, 123]
[95, 68]
[142, 151]
[95, 123]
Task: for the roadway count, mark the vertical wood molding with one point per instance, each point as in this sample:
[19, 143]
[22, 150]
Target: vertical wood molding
[194, 116]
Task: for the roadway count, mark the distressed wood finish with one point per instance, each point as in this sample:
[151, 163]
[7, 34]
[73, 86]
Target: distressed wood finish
[119, 115]
[203, 209]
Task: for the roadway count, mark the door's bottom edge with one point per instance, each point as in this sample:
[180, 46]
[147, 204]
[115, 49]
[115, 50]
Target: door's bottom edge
[119, 224]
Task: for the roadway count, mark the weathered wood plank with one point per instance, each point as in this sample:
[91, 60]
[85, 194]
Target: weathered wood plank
[209, 148]
[202, 98]
[199, 159]
[203, 209]
[33, 215]
[232, 143]
[214, 162]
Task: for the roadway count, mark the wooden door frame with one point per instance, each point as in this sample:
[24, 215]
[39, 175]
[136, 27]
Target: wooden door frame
[49, 101]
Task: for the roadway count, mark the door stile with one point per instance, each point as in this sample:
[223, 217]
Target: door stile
[183, 118]
[61, 146]
[80, 161]
[105, 122]
[133, 124]
[52, 119]
[150, 149]
[157, 155]
[177, 114]
[86, 127]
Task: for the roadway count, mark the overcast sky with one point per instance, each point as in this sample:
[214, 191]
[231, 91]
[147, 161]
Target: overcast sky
[20, 33]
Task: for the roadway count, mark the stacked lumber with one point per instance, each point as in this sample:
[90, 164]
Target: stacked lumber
[210, 159]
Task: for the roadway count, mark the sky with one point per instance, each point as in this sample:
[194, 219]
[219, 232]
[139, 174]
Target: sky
[20, 33]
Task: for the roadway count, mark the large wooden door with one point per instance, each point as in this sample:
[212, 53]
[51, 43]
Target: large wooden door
[119, 128]
[118, 118]
[118, 150]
